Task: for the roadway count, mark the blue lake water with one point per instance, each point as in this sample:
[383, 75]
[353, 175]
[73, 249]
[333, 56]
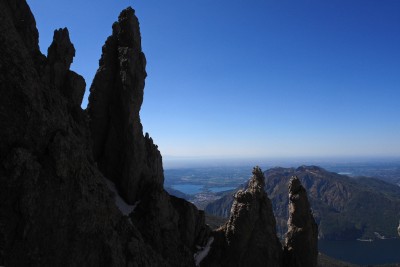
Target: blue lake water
[220, 189]
[192, 189]
[189, 189]
[363, 253]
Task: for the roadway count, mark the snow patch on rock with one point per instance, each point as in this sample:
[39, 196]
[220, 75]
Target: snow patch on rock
[203, 252]
[124, 207]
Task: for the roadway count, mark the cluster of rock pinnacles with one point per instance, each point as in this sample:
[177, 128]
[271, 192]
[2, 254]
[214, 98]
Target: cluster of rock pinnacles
[57, 163]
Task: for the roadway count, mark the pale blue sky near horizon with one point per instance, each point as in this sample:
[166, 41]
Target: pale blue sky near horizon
[254, 78]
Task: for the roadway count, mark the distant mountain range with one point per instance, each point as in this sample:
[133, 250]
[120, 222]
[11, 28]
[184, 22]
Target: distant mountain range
[345, 208]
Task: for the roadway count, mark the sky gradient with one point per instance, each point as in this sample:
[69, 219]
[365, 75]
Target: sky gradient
[254, 78]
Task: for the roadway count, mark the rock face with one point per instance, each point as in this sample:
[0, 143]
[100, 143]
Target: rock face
[85, 188]
[56, 208]
[116, 95]
[249, 237]
[301, 242]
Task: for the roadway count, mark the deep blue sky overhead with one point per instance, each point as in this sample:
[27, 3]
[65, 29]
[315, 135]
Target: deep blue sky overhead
[254, 78]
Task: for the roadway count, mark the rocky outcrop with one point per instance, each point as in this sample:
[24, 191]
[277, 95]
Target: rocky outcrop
[249, 237]
[301, 242]
[59, 59]
[122, 153]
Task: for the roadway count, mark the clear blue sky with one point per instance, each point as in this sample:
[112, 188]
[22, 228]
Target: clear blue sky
[254, 78]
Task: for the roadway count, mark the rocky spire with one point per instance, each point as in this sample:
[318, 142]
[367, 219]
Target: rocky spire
[57, 73]
[171, 226]
[249, 237]
[301, 242]
[122, 153]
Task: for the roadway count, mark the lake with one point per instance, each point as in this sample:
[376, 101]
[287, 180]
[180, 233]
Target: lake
[188, 189]
[363, 253]
[220, 189]
[192, 189]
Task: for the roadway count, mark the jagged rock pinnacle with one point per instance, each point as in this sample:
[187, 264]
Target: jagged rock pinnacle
[171, 226]
[301, 242]
[249, 237]
[122, 153]
[60, 55]
[257, 182]
[61, 51]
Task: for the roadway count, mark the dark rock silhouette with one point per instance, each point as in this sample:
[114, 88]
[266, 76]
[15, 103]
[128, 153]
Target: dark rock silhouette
[85, 188]
[172, 226]
[301, 242]
[59, 59]
[122, 153]
[56, 207]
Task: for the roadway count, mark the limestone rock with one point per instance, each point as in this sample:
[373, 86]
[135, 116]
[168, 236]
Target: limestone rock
[301, 242]
[249, 237]
[55, 207]
[122, 153]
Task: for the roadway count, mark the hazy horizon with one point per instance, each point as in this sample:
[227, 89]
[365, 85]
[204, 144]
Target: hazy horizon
[254, 79]
[173, 162]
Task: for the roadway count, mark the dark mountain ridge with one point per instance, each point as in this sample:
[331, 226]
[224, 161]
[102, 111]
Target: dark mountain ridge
[344, 207]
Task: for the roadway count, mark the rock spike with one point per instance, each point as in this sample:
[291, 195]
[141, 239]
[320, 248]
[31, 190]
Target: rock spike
[301, 242]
